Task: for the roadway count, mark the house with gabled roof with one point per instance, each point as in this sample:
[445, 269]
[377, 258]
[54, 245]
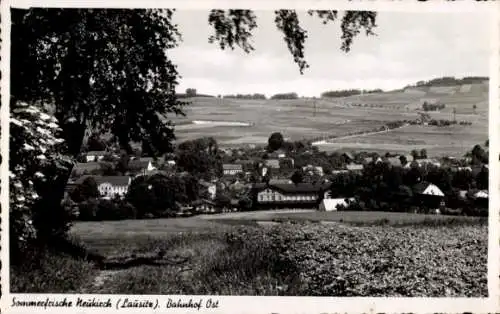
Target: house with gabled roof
[272, 163]
[428, 194]
[111, 186]
[86, 168]
[141, 165]
[108, 186]
[232, 169]
[481, 198]
[288, 195]
[95, 155]
[348, 157]
[204, 206]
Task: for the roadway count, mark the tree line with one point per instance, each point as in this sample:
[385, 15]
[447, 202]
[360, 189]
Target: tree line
[246, 96]
[450, 81]
[385, 188]
[348, 92]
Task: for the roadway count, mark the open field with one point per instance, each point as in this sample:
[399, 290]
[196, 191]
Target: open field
[454, 140]
[225, 255]
[109, 237]
[311, 259]
[296, 119]
[394, 219]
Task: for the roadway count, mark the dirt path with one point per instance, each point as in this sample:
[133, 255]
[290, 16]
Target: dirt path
[326, 142]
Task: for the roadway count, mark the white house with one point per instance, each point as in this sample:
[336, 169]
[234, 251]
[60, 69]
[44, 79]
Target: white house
[331, 204]
[94, 156]
[232, 169]
[428, 189]
[313, 170]
[481, 194]
[422, 162]
[211, 188]
[272, 163]
[111, 186]
[354, 167]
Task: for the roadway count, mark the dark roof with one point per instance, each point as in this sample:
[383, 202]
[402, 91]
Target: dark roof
[201, 202]
[146, 159]
[348, 155]
[205, 183]
[79, 180]
[294, 188]
[138, 164]
[232, 167]
[244, 161]
[87, 166]
[96, 152]
[113, 180]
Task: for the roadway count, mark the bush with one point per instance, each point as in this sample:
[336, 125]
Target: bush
[88, 210]
[45, 271]
[97, 210]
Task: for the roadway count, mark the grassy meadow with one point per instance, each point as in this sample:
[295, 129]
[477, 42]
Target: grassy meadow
[300, 253]
[296, 119]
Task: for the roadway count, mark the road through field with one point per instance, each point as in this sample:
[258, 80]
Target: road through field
[326, 142]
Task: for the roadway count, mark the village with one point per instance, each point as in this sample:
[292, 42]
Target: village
[290, 176]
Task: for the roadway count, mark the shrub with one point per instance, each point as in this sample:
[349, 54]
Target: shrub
[45, 271]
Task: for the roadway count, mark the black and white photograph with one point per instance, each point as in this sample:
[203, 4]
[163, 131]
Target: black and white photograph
[247, 152]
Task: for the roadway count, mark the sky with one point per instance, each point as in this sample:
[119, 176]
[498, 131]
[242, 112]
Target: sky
[408, 47]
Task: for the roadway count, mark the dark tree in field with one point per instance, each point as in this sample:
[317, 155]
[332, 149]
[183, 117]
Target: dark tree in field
[200, 157]
[191, 92]
[482, 179]
[297, 177]
[222, 200]
[479, 155]
[275, 141]
[84, 191]
[403, 160]
[415, 154]
[95, 143]
[423, 153]
[122, 165]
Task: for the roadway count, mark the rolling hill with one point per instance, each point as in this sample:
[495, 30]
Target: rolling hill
[307, 119]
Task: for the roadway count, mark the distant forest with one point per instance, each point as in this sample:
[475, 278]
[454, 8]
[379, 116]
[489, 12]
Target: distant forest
[246, 96]
[441, 81]
[184, 95]
[450, 81]
[348, 92]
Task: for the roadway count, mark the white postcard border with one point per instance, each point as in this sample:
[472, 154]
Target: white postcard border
[247, 304]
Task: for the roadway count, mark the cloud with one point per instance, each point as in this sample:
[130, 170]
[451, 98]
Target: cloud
[408, 47]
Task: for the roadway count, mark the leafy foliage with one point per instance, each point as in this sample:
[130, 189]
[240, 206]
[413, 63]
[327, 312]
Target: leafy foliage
[275, 141]
[159, 195]
[200, 158]
[86, 190]
[375, 261]
[35, 162]
[234, 28]
[105, 69]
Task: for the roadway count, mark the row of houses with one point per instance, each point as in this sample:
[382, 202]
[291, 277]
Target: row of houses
[309, 195]
[237, 168]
